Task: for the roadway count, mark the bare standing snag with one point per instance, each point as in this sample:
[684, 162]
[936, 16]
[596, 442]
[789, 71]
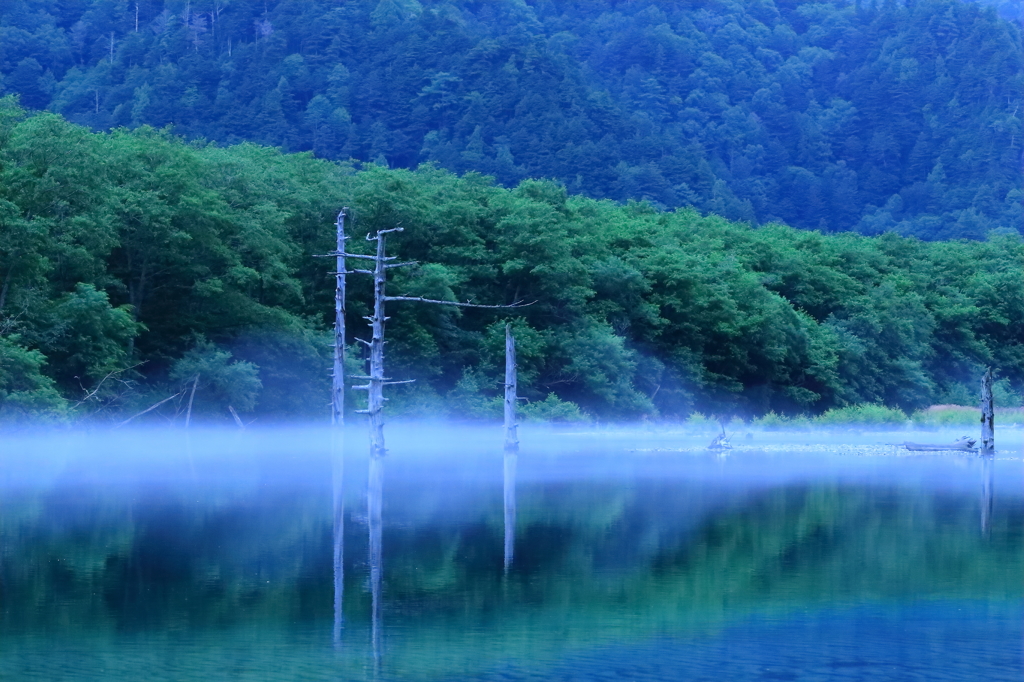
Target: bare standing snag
[511, 382]
[376, 379]
[988, 426]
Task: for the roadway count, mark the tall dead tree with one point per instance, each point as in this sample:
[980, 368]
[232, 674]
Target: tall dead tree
[376, 381]
[338, 374]
[988, 427]
[511, 445]
[511, 381]
[338, 381]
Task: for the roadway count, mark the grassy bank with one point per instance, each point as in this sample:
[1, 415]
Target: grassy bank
[876, 417]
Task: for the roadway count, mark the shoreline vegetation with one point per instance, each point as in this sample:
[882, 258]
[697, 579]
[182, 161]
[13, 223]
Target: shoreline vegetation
[881, 417]
[139, 270]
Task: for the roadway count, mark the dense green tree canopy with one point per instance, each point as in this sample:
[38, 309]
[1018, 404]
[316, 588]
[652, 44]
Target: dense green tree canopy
[131, 261]
[868, 116]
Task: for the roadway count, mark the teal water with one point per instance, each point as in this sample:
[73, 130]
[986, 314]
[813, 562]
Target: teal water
[273, 556]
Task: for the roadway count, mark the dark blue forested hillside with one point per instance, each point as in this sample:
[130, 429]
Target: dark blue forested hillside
[871, 117]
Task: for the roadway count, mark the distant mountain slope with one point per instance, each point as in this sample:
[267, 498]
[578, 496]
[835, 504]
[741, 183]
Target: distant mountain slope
[868, 117]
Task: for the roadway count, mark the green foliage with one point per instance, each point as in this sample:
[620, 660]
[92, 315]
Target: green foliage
[872, 117]
[219, 380]
[25, 392]
[863, 415]
[702, 421]
[294, 366]
[472, 398]
[552, 409]
[947, 416]
[1004, 396]
[859, 416]
[118, 250]
[86, 338]
[773, 422]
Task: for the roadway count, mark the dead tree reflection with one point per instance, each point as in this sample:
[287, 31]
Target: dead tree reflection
[986, 494]
[511, 460]
[374, 504]
[338, 509]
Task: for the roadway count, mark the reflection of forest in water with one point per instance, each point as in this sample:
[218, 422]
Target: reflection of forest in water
[493, 564]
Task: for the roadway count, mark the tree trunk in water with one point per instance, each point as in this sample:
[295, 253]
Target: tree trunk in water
[510, 506]
[988, 427]
[338, 384]
[511, 434]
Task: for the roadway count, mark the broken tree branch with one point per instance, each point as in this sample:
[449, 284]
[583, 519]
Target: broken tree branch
[89, 394]
[238, 420]
[191, 397]
[518, 304]
[345, 254]
[150, 408]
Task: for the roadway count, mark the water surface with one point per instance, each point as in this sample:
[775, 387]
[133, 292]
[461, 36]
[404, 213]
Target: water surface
[614, 555]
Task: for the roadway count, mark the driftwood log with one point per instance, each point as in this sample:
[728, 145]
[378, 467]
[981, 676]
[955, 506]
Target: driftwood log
[962, 444]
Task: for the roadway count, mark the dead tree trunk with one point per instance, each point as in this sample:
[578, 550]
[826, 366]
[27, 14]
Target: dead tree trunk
[511, 446]
[511, 434]
[376, 381]
[988, 427]
[338, 382]
[375, 404]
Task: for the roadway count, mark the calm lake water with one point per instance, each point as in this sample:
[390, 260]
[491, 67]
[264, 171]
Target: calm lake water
[597, 556]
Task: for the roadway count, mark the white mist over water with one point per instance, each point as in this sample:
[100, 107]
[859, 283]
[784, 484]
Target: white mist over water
[283, 553]
[460, 450]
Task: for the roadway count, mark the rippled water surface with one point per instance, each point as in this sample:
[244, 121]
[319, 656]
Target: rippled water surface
[588, 556]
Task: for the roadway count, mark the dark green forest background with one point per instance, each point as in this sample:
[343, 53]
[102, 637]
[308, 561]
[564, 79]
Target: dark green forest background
[131, 260]
[869, 117]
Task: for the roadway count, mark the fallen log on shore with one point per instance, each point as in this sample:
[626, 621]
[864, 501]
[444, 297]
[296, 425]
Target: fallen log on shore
[963, 444]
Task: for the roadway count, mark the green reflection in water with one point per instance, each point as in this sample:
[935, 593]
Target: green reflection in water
[209, 572]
